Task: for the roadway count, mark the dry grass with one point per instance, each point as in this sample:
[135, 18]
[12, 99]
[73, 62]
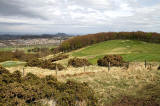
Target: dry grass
[87, 69]
[110, 85]
[68, 71]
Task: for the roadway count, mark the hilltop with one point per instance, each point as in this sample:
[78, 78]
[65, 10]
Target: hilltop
[130, 50]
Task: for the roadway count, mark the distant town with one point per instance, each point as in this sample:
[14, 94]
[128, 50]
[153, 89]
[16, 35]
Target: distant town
[28, 40]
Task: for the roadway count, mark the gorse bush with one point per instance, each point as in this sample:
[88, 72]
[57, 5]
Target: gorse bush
[82, 41]
[115, 60]
[37, 49]
[3, 70]
[78, 62]
[5, 56]
[45, 64]
[20, 55]
[16, 55]
[59, 57]
[32, 90]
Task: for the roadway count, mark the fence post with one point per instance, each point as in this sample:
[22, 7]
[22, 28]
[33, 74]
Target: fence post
[128, 65]
[108, 66]
[56, 71]
[145, 63]
[150, 67]
[23, 71]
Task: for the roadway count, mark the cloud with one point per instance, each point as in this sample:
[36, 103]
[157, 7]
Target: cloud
[17, 9]
[79, 16]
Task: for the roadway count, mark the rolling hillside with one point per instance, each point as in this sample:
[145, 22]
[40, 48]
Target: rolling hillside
[115, 87]
[130, 50]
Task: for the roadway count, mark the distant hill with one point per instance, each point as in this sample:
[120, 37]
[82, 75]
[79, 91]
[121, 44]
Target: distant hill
[31, 36]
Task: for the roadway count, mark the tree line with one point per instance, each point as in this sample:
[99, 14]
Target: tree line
[82, 41]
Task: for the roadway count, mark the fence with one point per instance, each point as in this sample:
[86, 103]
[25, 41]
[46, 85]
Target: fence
[94, 68]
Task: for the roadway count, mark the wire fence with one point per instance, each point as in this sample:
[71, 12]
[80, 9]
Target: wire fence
[93, 69]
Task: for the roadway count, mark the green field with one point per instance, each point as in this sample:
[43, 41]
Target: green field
[25, 48]
[12, 63]
[130, 50]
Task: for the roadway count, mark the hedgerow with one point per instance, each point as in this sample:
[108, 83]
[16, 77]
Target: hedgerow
[32, 90]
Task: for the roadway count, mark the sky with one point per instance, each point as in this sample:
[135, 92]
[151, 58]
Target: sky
[79, 16]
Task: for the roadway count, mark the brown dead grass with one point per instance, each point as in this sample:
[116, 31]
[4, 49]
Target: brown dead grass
[110, 85]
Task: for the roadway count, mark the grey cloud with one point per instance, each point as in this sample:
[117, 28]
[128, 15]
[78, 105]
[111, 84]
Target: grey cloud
[16, 8]
[8, 23]
[79, 15]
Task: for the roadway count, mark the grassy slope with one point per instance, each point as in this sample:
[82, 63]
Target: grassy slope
[25, 48]
[129, 49]
[12, 63]
[116, 83]
[109, 85]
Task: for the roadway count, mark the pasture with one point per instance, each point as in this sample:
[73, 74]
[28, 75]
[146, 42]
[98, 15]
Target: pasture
[25, 48]
[130, 50]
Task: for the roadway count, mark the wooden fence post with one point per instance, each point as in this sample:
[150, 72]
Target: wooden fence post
[128, 65]
[108, 66]
[150, 67]
[145, 63]
[56, 71]
[23, 72]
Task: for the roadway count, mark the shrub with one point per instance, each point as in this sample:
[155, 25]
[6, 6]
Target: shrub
[55, 50]
[16, 55]
[34, 63]
[115, 60]
[45, 64]
[59, 57]
[79, 90]
[3, 70]
[31, 77]
[31, 90]
[6, 55]
[16, 75]
[59, 66]
[78, 62]
[37, 49]
[49, 65]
